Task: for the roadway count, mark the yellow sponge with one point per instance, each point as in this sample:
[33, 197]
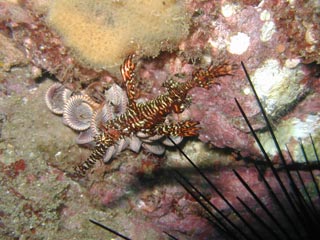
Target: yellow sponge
[101, 33]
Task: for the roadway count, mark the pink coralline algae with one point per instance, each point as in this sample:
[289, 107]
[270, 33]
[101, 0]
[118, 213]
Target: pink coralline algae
[277, 56]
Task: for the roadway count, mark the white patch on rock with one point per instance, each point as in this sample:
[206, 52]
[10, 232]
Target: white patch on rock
[277, 86]
[247, 90]
[290, 132]
[239, 43]
[310, 35]
[207, 59]
[265, 15]
[228, 10]
[291, 2]
[267, 30]
[292, 63]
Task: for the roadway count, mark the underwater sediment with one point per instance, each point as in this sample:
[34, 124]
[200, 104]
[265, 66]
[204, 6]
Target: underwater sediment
[135, 193]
